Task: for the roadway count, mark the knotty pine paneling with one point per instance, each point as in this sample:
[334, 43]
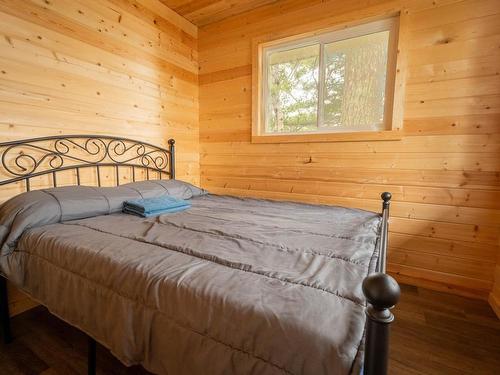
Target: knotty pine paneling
[116, 67]
[444, 173]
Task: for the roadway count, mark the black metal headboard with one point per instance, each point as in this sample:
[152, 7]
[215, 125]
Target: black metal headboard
[28, 158]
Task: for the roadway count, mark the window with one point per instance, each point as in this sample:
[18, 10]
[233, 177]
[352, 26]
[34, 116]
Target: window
[335, 82]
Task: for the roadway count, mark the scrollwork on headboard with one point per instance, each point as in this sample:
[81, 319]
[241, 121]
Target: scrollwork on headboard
[24, 159]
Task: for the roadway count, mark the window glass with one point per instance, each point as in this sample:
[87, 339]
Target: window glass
[354, 84]
[292, 96]
[330, 82]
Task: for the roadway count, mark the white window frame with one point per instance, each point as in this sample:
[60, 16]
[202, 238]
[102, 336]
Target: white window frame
[262, 50]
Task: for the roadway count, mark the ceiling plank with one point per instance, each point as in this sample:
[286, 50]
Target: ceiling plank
[204, 12]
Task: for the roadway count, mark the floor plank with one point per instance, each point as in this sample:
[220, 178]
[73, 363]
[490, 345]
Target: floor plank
[434, 333]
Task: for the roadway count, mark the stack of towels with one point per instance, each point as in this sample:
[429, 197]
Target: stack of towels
[155, 206]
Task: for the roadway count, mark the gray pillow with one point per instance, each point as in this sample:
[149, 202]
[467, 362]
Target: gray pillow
[49, 206]
[179, 189]
[174, 188]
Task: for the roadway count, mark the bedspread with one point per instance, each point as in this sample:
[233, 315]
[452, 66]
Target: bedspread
[230, 286]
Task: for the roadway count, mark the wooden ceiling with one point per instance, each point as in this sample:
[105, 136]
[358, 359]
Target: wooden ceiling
[203, 12]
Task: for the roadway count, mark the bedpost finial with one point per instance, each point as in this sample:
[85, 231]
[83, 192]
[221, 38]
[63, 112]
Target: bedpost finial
[171, 141]
[381, 291]
[386, 197]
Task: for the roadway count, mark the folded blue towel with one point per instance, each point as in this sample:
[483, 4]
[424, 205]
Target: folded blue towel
[155, 204]
[128, 210]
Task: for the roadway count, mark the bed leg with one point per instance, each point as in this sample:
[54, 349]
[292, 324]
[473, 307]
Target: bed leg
[382, 293]
[4, 312]
[91, 360]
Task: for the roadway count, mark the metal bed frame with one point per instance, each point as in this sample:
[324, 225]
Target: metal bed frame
[23, 160]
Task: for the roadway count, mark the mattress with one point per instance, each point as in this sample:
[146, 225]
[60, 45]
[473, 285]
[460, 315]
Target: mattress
[230, 286]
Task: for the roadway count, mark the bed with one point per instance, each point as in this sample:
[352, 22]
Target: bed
[230, 286]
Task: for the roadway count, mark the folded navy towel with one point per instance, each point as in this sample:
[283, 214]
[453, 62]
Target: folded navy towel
[129, 210]
[155, 204]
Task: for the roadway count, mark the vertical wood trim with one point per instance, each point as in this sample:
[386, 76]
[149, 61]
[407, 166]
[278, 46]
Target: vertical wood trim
[321, 87]
[494, 296]
[494, 302]
[400, 74]
[256, 87]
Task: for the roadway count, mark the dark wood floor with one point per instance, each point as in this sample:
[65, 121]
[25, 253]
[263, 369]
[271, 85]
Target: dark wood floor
[434, 333]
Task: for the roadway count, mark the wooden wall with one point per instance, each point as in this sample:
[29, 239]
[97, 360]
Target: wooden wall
[445, 172]
[117, 67]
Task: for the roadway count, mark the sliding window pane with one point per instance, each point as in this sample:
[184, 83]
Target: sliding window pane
[292, 90]
[355, 82]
